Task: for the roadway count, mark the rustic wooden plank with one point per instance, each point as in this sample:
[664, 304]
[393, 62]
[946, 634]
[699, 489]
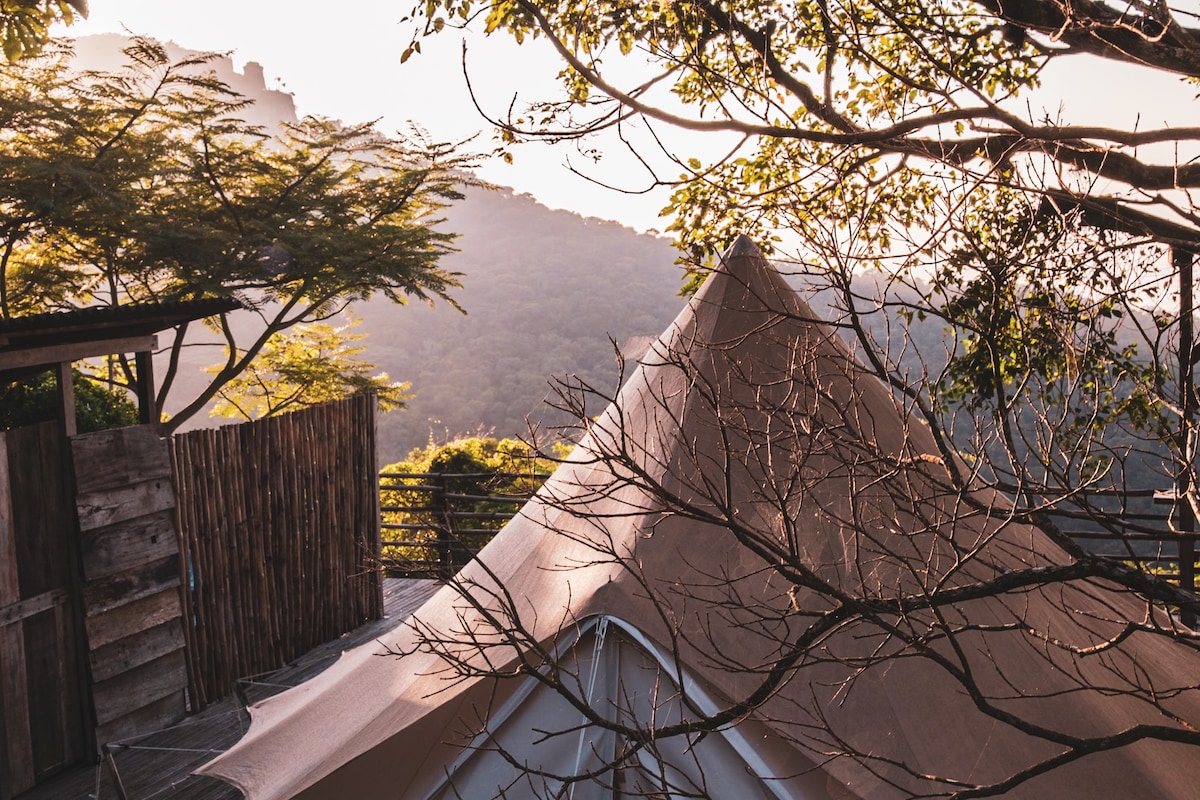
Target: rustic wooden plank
[154, 716]
[126, 620]
[14, 691]
[108, 507]
[75, 702]
[136, 649]
[125, 546]
[10, 580]
[74, 351]
[139, 687]
[43, 509]
[22, 610]
[116, 458]
[64, 377]
[374, 516]
[118, 590]
[48, 676]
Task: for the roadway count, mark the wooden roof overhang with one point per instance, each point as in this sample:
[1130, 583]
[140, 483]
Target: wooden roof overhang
[55, 340]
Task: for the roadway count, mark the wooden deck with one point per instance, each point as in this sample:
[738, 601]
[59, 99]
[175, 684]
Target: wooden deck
[159, 765]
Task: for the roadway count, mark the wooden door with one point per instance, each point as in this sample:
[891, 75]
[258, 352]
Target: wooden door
[45, 723]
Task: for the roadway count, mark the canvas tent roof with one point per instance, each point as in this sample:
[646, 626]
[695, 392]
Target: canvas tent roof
[732, 524]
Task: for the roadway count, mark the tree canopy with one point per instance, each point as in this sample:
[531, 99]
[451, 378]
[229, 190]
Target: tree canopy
[36, 399]
[842, 104]
[445, 501]
[145, 185]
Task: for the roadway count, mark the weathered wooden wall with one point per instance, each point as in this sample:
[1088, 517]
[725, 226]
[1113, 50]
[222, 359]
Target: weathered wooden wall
[44, 717]
[131, 591]
[280, 524]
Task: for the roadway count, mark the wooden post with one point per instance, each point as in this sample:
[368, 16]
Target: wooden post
[374, 516]
[1185, 483]
[66, 397]
[147, 414]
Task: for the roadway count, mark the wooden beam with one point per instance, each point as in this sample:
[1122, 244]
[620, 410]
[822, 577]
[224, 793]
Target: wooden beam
[165, 676]
[119, 458]
[23, 609]
[127, 620]
[75, 351]
[101, 509]
[122, 547]
[10, 584]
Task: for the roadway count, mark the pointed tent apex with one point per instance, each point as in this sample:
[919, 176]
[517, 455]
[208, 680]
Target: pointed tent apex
[743, 247]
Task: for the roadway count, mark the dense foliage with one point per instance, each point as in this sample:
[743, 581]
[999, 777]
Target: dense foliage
[25, 24]
[463, 492]
[36, 399]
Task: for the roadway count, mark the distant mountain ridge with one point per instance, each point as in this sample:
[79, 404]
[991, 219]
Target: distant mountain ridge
[102, 51]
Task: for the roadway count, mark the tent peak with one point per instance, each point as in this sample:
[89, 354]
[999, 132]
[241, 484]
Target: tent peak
[743, 247]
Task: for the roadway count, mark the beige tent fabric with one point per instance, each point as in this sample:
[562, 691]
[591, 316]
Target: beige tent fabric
[750, 429]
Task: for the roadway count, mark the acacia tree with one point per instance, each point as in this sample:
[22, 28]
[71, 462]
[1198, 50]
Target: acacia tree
[308, 364]
[145, 185]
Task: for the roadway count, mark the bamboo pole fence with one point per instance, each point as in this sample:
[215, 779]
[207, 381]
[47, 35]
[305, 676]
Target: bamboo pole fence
[279, 528]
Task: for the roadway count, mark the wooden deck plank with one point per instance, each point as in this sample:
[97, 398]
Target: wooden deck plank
[159, 765]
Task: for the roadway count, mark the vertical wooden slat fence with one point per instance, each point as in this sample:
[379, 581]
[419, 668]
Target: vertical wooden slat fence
[279, 520]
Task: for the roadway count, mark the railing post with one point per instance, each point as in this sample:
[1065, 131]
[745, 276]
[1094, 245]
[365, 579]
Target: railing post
[444, 530]
[1185, 481]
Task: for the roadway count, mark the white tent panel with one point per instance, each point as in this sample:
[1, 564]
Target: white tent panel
[538, 739]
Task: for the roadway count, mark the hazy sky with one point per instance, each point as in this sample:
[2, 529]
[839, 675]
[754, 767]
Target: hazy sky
[345, 63]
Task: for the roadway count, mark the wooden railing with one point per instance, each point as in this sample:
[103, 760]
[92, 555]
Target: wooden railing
[1133, 526]
[434, 523]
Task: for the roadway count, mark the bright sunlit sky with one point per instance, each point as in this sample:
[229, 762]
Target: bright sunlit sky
[344, 62]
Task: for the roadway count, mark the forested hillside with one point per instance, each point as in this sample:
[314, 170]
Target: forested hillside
[543, 291]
